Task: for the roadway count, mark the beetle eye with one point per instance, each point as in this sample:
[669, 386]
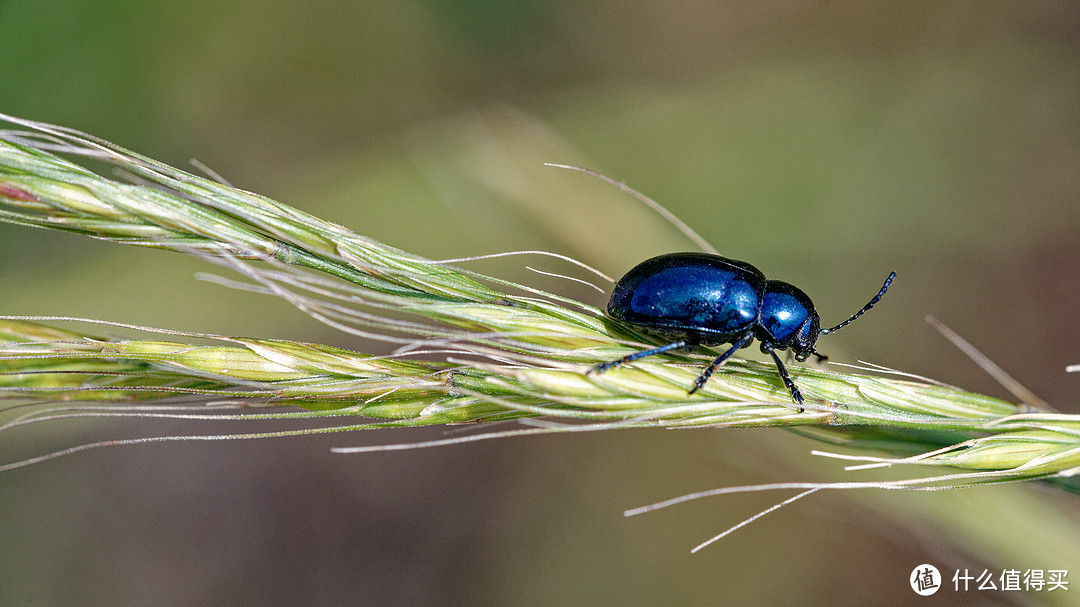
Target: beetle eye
[805, 341]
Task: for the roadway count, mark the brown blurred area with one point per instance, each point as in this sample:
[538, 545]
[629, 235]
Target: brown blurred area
[825, 142]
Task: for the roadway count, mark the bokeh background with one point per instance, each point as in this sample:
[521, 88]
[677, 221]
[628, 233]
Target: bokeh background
[825, 142]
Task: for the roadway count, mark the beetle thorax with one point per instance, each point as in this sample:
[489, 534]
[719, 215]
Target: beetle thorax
[788, 319]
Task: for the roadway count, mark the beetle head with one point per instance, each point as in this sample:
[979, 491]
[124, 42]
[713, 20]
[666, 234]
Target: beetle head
[788, 319]
[806, 338]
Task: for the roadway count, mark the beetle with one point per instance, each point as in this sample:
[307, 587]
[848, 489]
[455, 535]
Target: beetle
[701, 299]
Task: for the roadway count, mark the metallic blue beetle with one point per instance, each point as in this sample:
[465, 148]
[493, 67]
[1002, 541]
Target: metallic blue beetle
[699, 299]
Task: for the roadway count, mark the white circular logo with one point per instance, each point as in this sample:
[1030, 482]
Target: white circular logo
[925, 580]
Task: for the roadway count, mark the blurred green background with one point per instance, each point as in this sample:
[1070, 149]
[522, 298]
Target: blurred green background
[825, 142]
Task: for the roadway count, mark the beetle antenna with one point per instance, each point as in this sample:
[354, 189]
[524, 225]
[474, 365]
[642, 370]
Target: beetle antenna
[885, 287]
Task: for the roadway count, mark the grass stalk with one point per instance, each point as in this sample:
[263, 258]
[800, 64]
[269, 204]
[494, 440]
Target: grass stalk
[471, 348]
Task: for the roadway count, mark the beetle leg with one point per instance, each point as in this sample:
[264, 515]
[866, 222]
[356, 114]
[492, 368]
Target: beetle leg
[795, 394]
[704, 377]
[600, 368]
